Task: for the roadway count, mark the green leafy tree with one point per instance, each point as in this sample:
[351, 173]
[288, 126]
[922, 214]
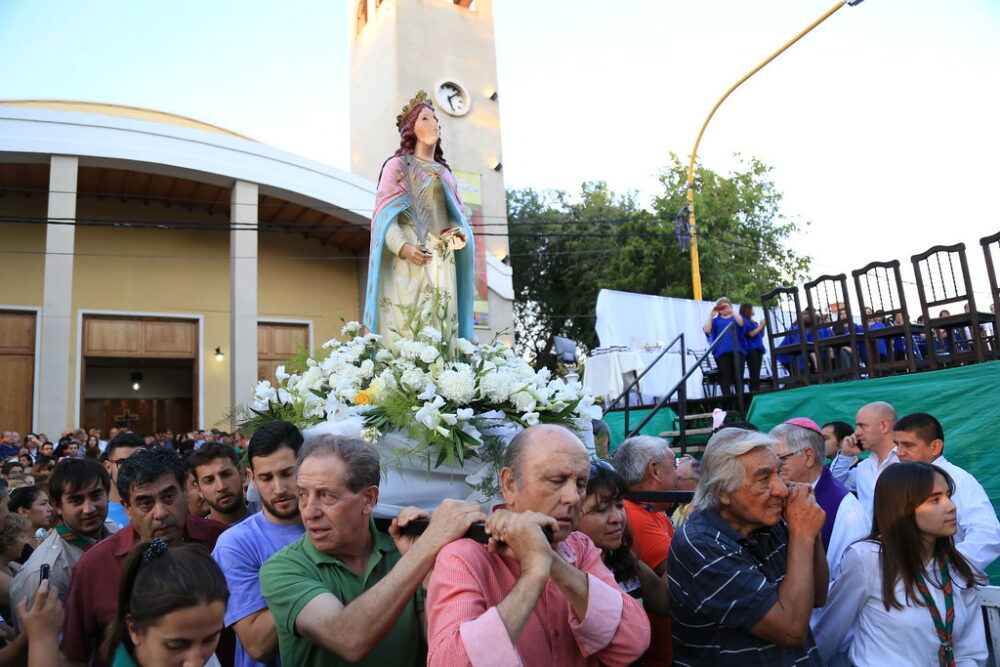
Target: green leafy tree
[565, 250]
[741, 230]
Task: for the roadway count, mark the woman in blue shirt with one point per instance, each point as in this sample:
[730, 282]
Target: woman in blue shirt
[728, 356]
[752, 339]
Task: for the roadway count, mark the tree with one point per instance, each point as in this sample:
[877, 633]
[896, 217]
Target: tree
[564, 251]
[741, 229]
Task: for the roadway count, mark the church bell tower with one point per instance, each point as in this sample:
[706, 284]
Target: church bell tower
[445, 47]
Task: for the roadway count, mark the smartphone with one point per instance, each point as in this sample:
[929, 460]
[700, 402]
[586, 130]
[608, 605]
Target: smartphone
[43, 572]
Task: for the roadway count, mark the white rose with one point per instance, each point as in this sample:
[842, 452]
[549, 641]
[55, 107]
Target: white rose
[428, 354]
[367, 368]
[383, 355]
[350, 329]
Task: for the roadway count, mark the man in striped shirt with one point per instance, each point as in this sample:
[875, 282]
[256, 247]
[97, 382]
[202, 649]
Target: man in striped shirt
[747, 567]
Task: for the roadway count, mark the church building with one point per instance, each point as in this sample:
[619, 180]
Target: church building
[153, 267]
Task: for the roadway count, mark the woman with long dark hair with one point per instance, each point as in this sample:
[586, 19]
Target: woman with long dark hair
[905, 591]
[753, 344]
[33, 504]
[602, 519]
[421, 240]
[171, 608]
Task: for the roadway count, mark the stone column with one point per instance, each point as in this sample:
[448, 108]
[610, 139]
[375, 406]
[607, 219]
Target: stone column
[54, 396]
[243, 291]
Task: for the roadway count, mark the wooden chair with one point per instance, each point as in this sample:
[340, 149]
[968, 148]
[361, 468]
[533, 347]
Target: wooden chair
[889, 349]
[709, 374]
[835, 344]
[785, 338]
[990, 245]
[938, 285]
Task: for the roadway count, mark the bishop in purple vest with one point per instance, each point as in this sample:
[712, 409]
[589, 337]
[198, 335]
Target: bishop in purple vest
[801, 450]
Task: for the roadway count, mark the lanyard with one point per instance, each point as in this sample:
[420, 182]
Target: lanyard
[946, 653]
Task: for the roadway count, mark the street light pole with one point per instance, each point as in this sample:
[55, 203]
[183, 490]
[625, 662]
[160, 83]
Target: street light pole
[692, 224]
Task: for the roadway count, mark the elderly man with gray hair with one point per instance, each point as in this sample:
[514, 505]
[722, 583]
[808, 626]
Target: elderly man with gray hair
[646, 463]
[801, 449]
[747, 567]
[345, 592]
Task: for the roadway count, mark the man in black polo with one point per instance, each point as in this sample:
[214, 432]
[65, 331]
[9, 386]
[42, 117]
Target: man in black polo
[747, 567]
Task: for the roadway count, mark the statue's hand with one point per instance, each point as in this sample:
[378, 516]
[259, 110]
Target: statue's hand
[414, 255]
[455, 238]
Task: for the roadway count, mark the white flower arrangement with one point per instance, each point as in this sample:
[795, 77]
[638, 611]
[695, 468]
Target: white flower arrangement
[438, 389]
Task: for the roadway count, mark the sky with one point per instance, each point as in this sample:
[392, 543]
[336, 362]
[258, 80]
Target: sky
[881, 124]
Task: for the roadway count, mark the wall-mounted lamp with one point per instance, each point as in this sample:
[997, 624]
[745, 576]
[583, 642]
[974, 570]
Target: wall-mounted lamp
[496, 165]
[218, 354]
[136, 379]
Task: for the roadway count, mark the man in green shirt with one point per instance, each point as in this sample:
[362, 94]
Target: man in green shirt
[346, 593]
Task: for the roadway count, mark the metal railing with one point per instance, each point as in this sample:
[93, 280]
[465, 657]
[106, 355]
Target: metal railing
[635, 383]
[681, 387]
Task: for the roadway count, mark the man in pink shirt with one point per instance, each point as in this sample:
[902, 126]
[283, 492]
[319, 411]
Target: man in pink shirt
[520, 601]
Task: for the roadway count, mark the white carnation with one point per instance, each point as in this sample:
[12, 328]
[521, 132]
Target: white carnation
[383, 355]
[430, 333]
[464, 346]
[410, 349]
[524, 400]
[367, 368]
[413, 378]
[350, 329]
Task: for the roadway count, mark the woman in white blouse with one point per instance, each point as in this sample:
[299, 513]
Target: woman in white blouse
[899, 586]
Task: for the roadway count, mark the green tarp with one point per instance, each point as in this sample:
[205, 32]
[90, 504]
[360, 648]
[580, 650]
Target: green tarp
[661, 421]
[963, 399]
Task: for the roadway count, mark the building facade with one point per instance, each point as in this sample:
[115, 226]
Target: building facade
[153, 268]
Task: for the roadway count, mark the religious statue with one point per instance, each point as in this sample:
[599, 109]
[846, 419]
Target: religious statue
[421, 240]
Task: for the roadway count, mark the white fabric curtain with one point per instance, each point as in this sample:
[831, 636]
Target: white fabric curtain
[640, 321]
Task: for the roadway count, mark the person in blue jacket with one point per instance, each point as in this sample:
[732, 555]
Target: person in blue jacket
[752, 340]
[728, 355]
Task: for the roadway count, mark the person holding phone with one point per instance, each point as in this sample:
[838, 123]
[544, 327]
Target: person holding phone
[727, 353]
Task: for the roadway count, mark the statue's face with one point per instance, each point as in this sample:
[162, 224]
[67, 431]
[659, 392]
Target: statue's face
[426, 128]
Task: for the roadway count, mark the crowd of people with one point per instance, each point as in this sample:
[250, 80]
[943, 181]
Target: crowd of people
[792, 552]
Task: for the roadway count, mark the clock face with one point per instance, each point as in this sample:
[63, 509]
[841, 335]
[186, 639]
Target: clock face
[452, 98]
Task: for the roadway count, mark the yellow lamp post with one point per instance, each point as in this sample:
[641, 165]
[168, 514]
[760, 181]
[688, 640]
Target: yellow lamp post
[692, 225]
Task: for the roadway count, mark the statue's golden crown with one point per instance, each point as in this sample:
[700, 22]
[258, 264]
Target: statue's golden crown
[420, 98]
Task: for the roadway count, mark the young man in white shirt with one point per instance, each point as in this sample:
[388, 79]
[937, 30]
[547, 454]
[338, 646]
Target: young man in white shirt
[919, 437]
[873, 431]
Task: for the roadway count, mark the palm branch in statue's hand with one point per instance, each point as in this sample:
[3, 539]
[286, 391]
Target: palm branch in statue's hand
[419, 209]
